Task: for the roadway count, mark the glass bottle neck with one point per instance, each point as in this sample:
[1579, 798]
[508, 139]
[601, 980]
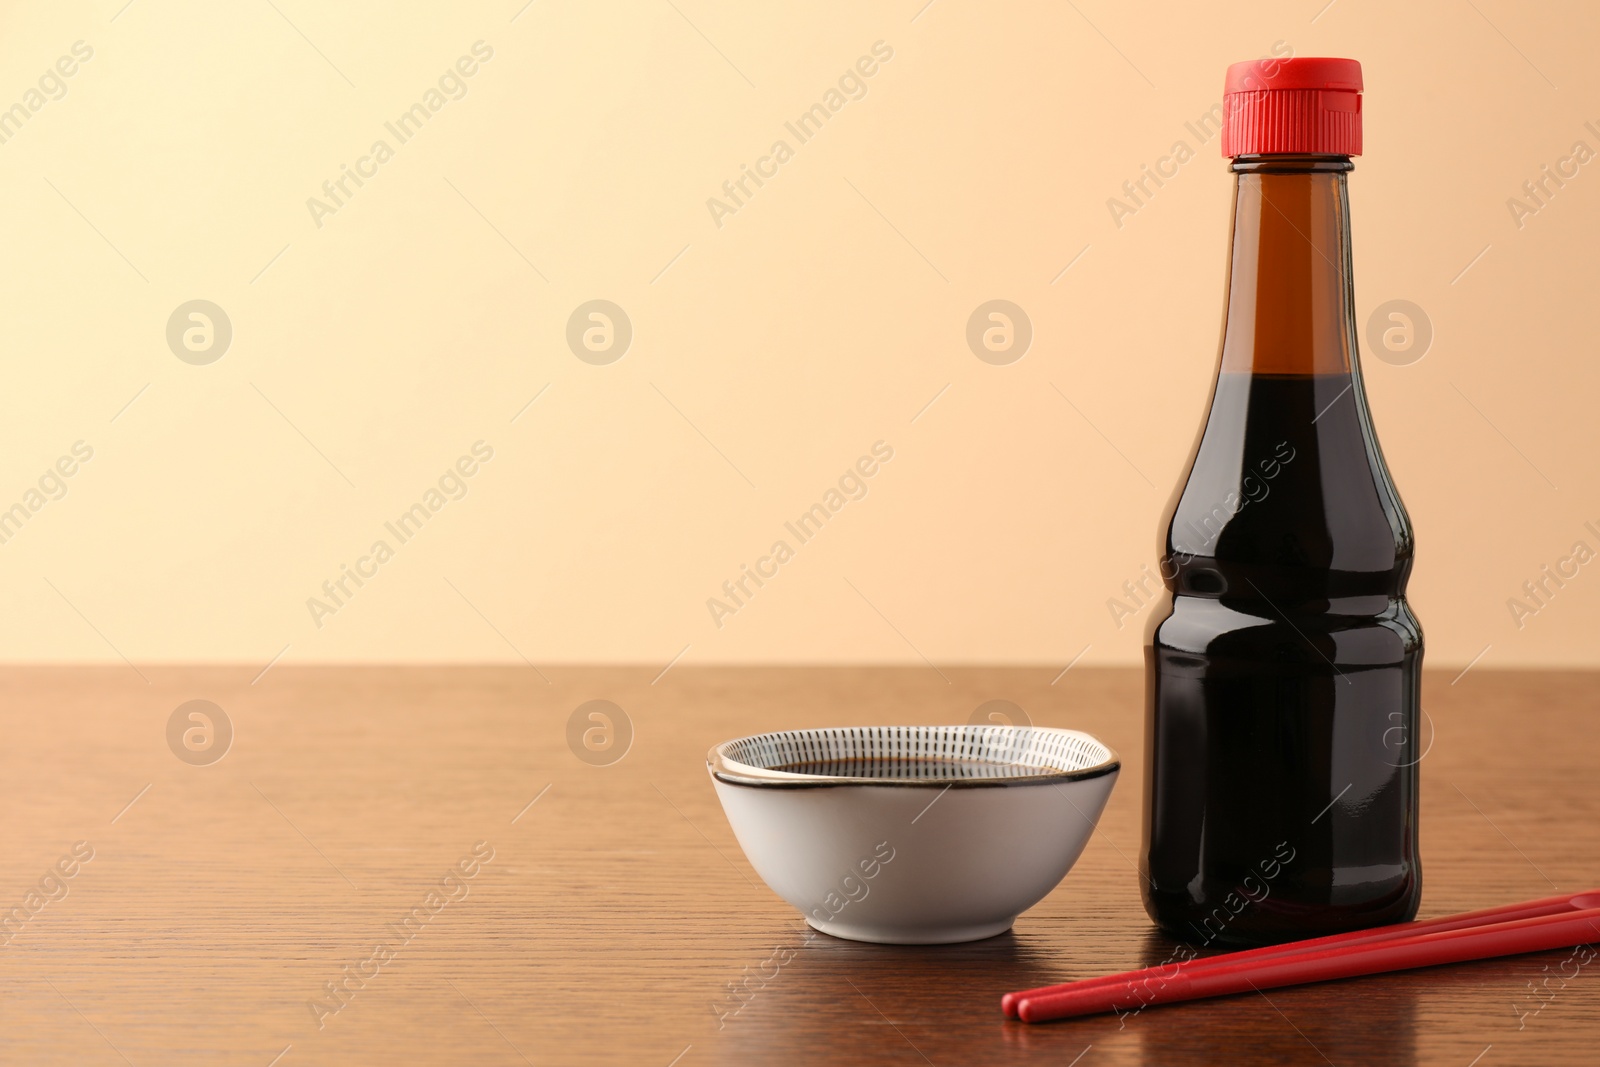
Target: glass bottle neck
[1290, 298]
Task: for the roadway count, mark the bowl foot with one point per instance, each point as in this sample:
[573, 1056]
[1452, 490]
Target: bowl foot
[898, 935]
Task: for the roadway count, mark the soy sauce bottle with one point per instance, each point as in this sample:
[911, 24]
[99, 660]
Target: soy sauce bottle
[1283, 666]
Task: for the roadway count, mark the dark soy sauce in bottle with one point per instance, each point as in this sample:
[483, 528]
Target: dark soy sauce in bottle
[1283, 665]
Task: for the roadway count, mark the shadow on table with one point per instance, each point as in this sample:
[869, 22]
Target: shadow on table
[847, 1001]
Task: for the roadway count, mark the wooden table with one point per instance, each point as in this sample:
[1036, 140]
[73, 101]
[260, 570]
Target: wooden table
[222, 899]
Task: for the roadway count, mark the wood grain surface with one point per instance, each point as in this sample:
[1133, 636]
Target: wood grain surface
[606, 922]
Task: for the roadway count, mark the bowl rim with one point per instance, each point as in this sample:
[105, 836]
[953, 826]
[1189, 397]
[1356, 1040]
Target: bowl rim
[724, 768]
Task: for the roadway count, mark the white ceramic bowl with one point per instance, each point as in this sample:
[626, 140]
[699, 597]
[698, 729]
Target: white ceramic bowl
[952, 847]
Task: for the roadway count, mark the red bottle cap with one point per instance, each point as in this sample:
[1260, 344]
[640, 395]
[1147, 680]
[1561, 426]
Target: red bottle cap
[1292, 105]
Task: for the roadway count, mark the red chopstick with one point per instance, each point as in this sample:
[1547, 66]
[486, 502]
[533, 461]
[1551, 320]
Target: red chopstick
[1502, 913]
[1532, 926]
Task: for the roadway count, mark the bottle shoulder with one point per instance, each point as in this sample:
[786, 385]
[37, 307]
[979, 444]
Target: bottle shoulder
[1351, 631]
[1286, 474]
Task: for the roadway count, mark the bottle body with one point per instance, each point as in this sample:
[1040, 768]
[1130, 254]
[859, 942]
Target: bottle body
[1283, 665]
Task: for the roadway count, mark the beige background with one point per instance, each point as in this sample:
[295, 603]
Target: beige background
[768, 354]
